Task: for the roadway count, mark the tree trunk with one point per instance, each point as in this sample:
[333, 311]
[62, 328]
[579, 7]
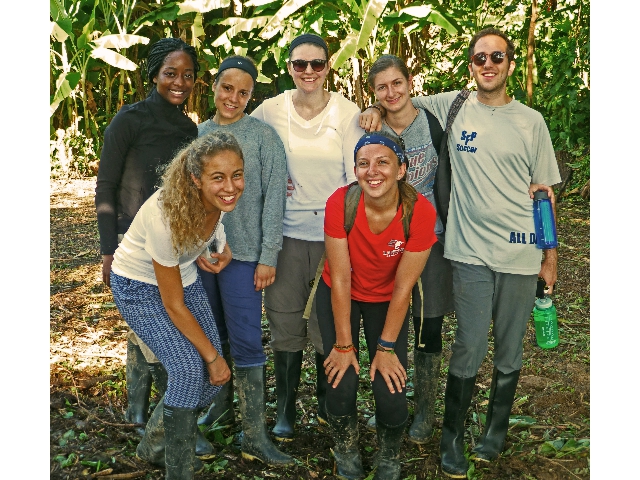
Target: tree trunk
[530, 50]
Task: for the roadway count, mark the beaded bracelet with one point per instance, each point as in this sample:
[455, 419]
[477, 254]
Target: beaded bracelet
[376, 107]
[380, 348]
[344, 348]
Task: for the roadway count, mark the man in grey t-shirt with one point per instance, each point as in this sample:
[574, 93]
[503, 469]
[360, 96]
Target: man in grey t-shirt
[501, 153]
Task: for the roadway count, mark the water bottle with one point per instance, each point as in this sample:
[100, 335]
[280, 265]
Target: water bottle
[545, 225]
[546, 322]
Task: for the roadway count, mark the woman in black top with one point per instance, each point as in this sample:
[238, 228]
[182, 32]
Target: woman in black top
[140, 139]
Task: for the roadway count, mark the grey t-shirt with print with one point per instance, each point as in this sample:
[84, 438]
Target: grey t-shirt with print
[422, 156]
[496, 153]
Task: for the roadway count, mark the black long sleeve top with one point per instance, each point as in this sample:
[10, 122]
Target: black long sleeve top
[139, 141]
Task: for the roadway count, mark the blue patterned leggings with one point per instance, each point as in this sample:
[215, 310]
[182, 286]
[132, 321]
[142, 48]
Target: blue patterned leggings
[141, 307]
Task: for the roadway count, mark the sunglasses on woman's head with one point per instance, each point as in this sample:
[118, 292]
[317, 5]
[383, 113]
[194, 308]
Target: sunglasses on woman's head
[301, 65]
[481, 58]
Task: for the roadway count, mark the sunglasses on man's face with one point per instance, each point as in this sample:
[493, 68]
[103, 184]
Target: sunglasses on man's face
[481, 58]
[301, 65]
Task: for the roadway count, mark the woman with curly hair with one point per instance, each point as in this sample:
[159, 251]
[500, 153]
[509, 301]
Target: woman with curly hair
[158, 290]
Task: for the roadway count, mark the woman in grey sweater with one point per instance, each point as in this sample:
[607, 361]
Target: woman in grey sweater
[254, 233]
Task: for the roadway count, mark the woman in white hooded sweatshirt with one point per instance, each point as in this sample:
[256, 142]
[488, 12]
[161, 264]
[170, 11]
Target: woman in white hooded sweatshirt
[319, 130]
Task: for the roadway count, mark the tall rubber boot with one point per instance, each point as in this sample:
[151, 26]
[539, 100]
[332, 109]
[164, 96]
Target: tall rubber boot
[426, 374]
[501, 396]
[180, 427]
[457, 398]
[287, 366]
[388, 457]
[138, 387]
[321, 389]
[256, 444]
[221, 410]
[204, 449]
[160, 377]
[151, 448]
[345, 451]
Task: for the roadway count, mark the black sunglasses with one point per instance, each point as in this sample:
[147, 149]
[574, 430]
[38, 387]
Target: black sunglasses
[301, 65]
[481, 58]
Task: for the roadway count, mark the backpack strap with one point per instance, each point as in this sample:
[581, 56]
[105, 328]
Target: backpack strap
[436, 130]
[351, 200]
[442, 182]
[312, 294]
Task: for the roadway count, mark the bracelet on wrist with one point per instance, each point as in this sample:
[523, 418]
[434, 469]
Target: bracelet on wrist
[376, 107]
[344, 348]
[380, 348]
[209, 363]
[386, 344]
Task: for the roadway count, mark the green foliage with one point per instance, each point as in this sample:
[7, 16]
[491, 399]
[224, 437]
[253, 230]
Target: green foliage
[71, 154]
[562, 447]
[96, 47]
[66, 461]
[563, 67]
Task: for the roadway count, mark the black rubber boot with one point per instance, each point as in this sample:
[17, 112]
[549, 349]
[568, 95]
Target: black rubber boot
[345, 451]
[457, 398]
[321, 389]
[287, 367]
[426, 374]
[256, 444]
[388, 457]
[138, 387]
[181, 427]
[160, 377]
[501, 396]
[204, 449]
[221, 410]
[151, 448]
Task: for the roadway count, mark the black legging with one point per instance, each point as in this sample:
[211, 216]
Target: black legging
[390, 407]
[431, 334]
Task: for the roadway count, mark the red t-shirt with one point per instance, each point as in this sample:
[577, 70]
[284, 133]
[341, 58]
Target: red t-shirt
[375, 258]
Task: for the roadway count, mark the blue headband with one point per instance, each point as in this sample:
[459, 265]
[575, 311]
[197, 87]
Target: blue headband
[238, 62]
[373, 138]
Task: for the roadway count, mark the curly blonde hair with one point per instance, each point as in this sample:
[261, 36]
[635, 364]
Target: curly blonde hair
[180, 200]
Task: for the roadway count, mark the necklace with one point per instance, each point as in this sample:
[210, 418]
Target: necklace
[405, 128]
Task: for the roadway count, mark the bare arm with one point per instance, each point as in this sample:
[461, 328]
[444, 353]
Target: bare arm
[371, 118]
[172, 294]
[409, 269]
[337, 363]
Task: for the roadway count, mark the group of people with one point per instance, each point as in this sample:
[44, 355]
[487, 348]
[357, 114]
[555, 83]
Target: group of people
[330, 212]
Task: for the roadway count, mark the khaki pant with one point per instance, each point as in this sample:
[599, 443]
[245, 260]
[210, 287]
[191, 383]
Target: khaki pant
[148, 354]
[135, 339]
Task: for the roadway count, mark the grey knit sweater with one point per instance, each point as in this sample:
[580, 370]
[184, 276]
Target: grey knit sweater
[254, 227]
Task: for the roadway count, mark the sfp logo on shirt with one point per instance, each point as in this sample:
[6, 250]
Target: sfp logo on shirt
[397, 248]
[467, 137]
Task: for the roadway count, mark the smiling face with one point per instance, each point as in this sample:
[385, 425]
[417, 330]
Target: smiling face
[309, 80]
[176, 77]
[392, 90]
[491, 78]
[222, 181]
[232, 91]
[378, 170]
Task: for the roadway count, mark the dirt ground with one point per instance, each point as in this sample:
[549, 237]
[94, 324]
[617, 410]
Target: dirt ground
[89, 438]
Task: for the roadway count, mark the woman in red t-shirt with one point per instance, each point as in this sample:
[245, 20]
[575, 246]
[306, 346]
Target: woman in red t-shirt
[369, 274]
